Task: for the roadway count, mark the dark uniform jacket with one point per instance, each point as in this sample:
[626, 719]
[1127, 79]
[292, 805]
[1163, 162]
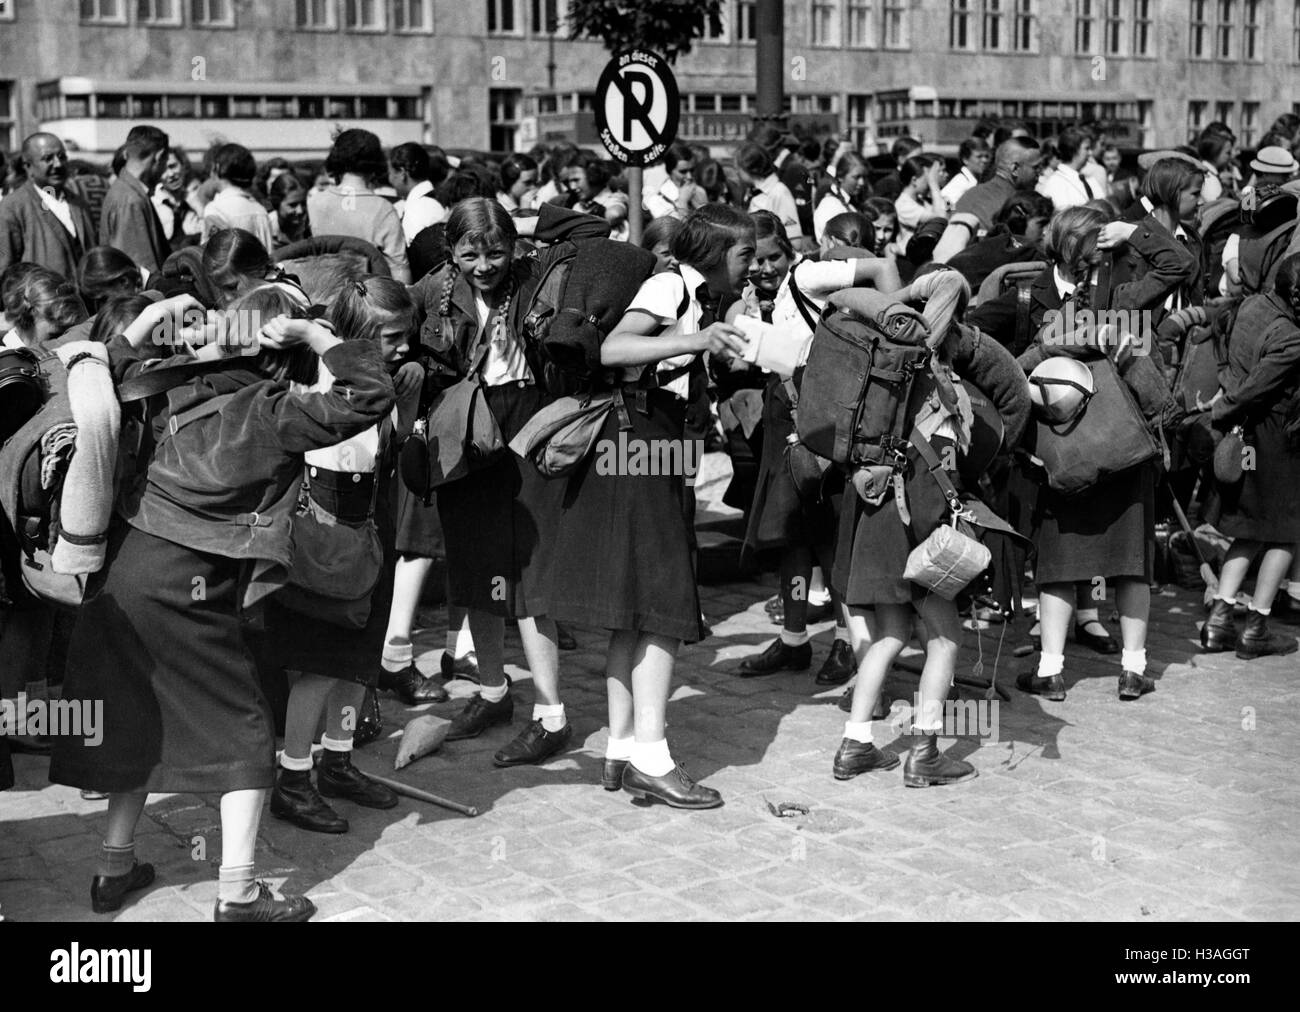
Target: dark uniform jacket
[30, 232]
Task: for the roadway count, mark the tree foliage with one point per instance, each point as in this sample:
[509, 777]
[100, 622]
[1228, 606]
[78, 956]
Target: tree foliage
[668, 27]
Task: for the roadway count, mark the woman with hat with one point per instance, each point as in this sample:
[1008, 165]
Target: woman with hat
[1105, 532]
[1272, 164]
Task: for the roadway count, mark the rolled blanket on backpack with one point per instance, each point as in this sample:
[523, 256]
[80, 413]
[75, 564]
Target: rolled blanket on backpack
[603, 278]
[86, 504]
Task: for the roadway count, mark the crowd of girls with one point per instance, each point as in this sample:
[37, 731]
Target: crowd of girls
[284, 418]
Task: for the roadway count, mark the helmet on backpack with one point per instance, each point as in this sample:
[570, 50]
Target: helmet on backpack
[21, 390]
[1059, 388]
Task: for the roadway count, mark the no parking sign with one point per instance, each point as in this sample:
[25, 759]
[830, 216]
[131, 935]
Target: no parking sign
[637, 107]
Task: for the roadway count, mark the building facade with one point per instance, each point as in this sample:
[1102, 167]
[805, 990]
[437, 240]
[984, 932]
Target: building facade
[281, 75]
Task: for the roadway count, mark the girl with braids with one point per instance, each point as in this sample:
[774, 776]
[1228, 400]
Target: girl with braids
[498, 520]
[789, 292]
[622, 548]
[844, 193]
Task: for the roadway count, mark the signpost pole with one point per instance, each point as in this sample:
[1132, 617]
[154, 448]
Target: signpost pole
[635, 178]
[769, 61]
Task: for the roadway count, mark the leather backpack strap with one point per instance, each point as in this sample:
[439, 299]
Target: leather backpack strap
[935, 466]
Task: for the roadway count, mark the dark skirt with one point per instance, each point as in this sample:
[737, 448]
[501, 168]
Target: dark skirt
[1107, 530]
[498, 521]
[419, 528]
[778, 517]
[622, 556]
[1265, 504]
[874, 542]
[160, 640]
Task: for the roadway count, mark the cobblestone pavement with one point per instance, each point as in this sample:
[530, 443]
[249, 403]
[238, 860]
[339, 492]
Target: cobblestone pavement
[1179, 806]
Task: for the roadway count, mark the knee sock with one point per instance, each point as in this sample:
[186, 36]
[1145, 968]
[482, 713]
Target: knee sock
[495, 693]
[235, 884]
[652, 758]
[794, 639]
[552, 717]
[1134, 660]
[619, 748]
[399, 654]
[115, 861]
[858, 732]
[1050, 664]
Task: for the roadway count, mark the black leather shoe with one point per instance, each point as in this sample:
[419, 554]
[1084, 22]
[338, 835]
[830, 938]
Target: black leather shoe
[611, 774]
[777, 657]
[412, 688]
[108, 891]
[879, 712]
[295, 799]
[928, 767]
[338, 778]
[855, 757]
[479, 715]
[674, 789]
[564, 639]
[534, 744]
[459, 667]
[1132, 685]
[1049, 688]
[1219, 633]
[1256, 641]
[1103, 644]
[370, 725]
[839, 666]
[266, 908]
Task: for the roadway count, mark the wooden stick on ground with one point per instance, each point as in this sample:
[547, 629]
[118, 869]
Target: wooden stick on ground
[414, 792]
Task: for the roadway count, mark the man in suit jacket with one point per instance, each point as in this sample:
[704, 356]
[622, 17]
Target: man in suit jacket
[42, 222]
[129, 220]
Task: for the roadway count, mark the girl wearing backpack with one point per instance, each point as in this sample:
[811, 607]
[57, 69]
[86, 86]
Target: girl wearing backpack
[622, 545]
[161, 637]
[781, 520]
[497, 520]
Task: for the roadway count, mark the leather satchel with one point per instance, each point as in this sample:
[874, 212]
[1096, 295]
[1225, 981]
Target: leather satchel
[562, 435]
[459, 434]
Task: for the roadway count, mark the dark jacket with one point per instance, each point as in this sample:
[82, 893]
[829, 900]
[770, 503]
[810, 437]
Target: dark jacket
[445, 349]
[1263, 364]
[227, 483]
[30, 232]
[131, 224]
[1149, 271]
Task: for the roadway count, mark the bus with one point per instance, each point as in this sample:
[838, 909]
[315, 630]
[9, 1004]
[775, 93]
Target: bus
[298, 121]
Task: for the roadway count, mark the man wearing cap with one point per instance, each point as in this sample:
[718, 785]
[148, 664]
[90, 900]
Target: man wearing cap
[1274, 165]
[42, 222]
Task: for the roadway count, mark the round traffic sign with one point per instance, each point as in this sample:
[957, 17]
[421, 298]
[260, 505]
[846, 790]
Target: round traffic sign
[637, 107]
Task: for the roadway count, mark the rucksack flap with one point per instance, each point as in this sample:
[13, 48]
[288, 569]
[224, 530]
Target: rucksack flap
[580, 298]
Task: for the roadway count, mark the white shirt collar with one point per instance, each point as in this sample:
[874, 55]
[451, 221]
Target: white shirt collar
[1063, 288]
[420, 189]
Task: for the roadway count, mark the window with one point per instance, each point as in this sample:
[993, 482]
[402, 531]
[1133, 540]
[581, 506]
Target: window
[1195, 120]
[995, 24]
[6, 14]
[723, 31]
[372, 107]
[1249, 124]
[245, 107]
[960, 35]
[1250, 48]
[1113, 29]
[826, 23]
[113, 106]
[279, 107]
[1223, 33]
[212, 13]
[158, 12]
[407, 107]
[1295, 32]
[111, 12]
[1024, 37]
[1223, 113]
[214, 107]
[1199, 40]
[501, 20]
[895, 22]
[746, 20]
[1085, 26]
[311, 107]
[147, 107]
[861, 34]
[503, 115]
[413, 16]
[1141, 27]
[364, 15]
[340, 107]
[732, 103]
[182, 106]
[317, 15]
[546, 17]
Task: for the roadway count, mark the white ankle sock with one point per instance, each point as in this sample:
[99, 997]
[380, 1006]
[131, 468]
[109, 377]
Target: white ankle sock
[552, 717]
[398, 654]
[858, 732]
[336, 744]
[235, 884]
[1050, 664]
[619, 748]
[794, 639]
[842, 634]
[495, 693]
[295, 765]
[652, 758]
[1134, 660]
